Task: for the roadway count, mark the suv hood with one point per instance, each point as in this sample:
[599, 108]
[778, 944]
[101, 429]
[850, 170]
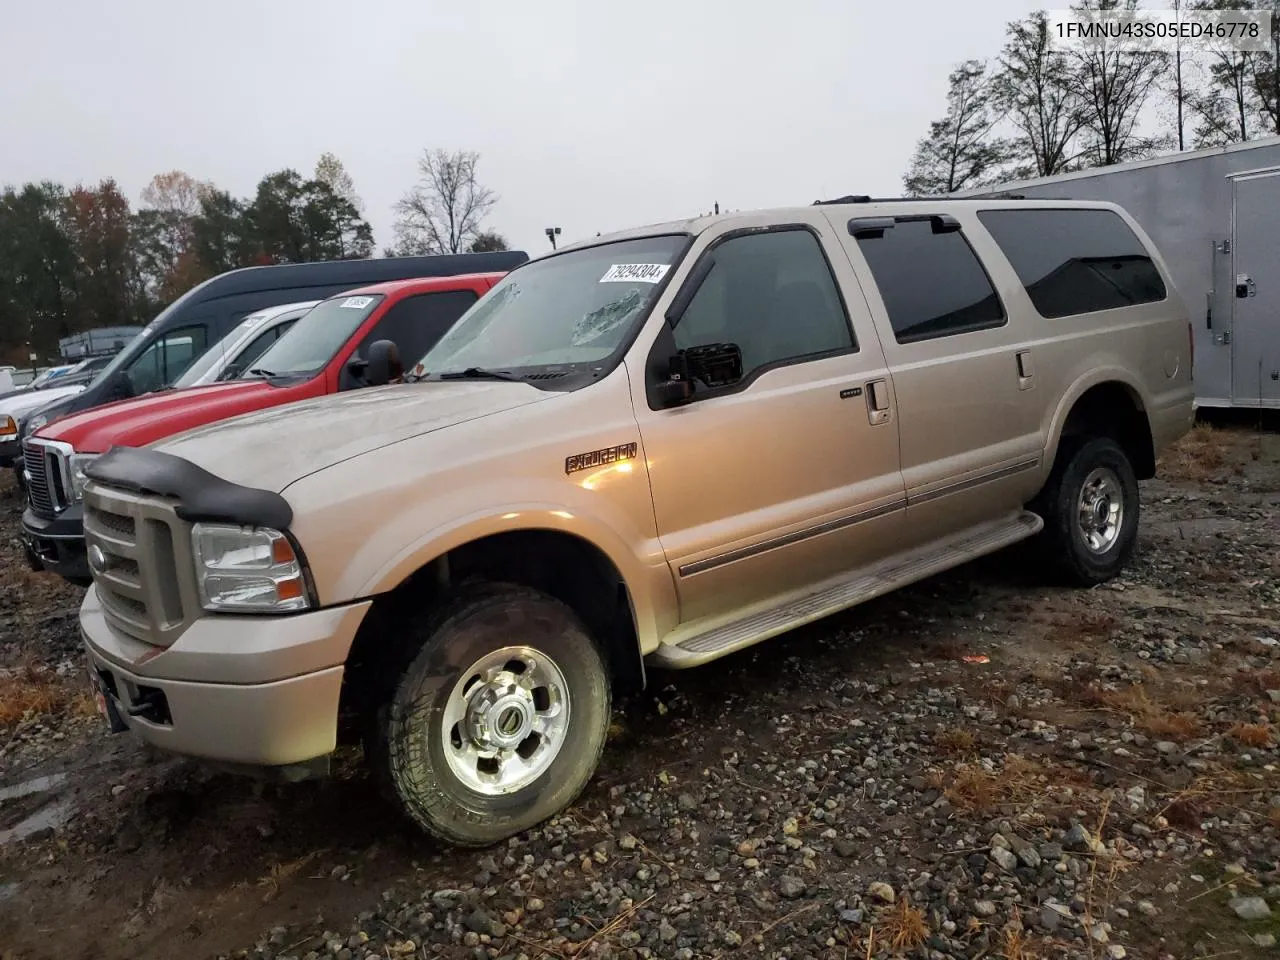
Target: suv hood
[145, 419]
[272, 448]
[20, 405]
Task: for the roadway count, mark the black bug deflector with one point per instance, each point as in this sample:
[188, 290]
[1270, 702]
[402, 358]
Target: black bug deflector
[201, 495]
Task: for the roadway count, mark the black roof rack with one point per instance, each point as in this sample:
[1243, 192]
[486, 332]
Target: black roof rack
[864, 198]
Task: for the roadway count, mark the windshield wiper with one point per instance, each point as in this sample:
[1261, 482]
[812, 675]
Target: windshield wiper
[479, 373]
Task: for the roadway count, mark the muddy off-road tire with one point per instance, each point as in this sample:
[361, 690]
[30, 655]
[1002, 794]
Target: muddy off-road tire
[499, 720]
[1090, 508]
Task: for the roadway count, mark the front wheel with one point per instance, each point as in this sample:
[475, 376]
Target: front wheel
[499, 721]
[1090, 508]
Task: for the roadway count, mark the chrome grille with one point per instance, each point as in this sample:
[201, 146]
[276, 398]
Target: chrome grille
[37, 460]
[137, 549]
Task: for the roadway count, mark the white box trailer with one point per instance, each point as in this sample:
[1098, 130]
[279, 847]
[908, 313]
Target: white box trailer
[1215, 215]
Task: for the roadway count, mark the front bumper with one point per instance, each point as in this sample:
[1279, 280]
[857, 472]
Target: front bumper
[58, 543]
[261, 691]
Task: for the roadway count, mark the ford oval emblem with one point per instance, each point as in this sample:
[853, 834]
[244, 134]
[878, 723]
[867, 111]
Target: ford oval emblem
[97, 559]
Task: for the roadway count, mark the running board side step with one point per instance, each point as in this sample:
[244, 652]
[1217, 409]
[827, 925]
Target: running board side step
[683, 648]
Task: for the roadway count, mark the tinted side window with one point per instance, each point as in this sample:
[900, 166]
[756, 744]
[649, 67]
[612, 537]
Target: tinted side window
[932, 284]
[246, 358]
[416, 323]
[1075, 261]
[166, 359]
[773, 295]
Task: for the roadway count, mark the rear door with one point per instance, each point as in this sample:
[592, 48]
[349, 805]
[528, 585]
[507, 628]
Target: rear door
[1255, 327]
[970, 438]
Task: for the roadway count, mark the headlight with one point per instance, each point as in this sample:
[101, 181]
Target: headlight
[35, 423]
[75, 471]
[8, 428]
[247, 570]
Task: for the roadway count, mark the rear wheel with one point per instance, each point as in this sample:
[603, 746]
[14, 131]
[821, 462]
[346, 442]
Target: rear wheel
[1090, 508]
[500, 719]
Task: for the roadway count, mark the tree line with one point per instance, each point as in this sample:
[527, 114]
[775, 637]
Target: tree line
[1036, 110]
[72, 259]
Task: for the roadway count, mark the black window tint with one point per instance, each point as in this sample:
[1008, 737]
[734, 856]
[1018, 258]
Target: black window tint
[416, 323]
[932, 284]
[167, 359]
[1075, 261]
[773, 295]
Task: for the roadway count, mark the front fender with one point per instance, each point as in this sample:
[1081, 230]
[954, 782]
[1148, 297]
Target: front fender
[387, 557]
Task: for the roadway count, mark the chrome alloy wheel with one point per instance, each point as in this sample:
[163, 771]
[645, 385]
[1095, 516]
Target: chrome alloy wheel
[506, 720]
[1100, 509]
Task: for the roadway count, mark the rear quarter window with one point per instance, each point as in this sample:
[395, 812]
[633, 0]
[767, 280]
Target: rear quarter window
[1073, 262]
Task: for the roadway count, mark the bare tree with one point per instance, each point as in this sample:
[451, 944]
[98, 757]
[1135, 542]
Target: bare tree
[175, 192]
[959, 150]
[1034, 87]
[444, 212]
[1226, 109]
[1114, 85]
[331, 171]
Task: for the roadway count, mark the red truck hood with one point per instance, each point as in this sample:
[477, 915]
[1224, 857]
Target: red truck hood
[273, 448]
[136, 423]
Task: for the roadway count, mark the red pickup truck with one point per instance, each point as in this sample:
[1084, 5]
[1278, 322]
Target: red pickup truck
[327, 351]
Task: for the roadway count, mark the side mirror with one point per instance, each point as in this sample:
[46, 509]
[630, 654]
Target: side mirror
[383, 363]
[715, 364]
[674, 392]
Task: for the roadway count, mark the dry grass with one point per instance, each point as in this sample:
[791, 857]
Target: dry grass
[1251, 734]
[35, 690]
[904, 927]
[1013, 940]
[1166, 718]
[975, 790]
[1198, 456]
[954, 741]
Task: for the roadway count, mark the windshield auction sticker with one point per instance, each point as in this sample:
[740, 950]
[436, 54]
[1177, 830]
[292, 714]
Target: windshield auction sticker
[357, 303]
[635, 272]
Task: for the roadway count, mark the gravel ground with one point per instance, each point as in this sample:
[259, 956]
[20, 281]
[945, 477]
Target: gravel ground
[979, 766]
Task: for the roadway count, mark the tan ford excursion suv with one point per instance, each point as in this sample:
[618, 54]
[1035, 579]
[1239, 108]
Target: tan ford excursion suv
[656, 447]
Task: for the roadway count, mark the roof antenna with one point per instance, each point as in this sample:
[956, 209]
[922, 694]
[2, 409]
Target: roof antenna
[717, 208]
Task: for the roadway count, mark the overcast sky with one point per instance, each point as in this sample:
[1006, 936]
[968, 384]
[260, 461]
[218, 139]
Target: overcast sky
[590, 115]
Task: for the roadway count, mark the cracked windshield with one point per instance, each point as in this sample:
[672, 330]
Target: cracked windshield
[572, 308]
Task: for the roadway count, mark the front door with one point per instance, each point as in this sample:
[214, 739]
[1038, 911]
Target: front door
[790, 474]
[1255, 325]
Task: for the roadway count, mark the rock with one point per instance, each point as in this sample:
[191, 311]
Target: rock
[627, 842]
[687, 802]
[1264, 939]
[984, 908]
[1166, 747]
[881, 891]
[853, 917]
[845, 847]
[1147, 908]
[732, 939]
[478, 921]
[666, 932]
[1116, 952]
[1007, 860]
[791, 887]
[1250, 908]
[1078, 840]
